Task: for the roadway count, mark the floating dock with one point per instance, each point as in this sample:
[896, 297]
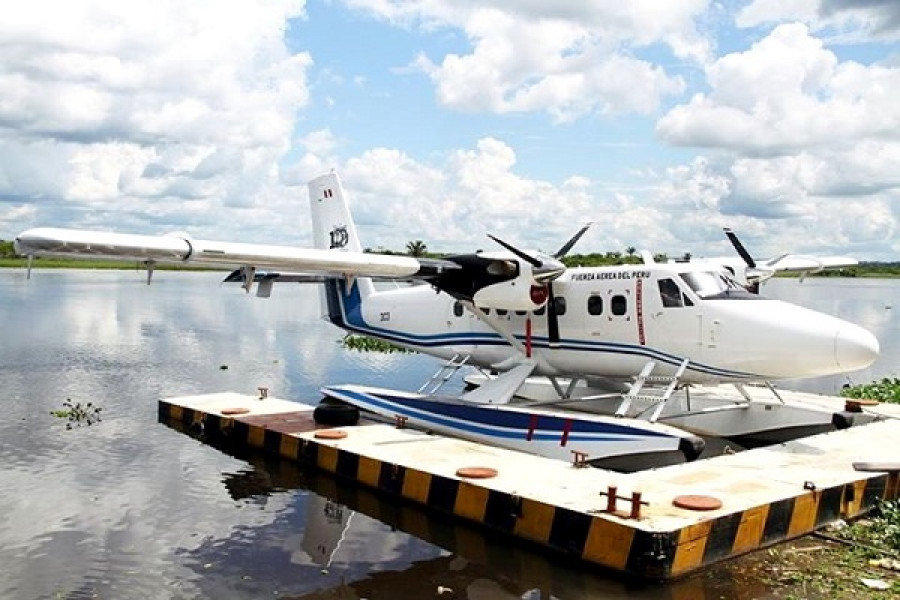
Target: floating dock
[657, 525]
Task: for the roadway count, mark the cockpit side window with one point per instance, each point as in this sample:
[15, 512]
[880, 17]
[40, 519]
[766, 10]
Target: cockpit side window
[715, 285]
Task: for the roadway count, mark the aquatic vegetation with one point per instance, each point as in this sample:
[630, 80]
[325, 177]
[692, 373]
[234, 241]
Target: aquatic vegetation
[78, 414]
[879, 534]
[886, 390]
[367, 344]
[847, 561]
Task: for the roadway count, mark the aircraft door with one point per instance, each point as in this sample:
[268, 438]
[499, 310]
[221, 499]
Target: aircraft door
[611, 314]
[672, 321]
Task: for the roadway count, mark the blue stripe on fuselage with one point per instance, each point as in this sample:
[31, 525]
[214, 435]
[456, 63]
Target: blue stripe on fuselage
[345, 311]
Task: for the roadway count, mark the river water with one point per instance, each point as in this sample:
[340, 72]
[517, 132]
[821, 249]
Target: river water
[132, 508]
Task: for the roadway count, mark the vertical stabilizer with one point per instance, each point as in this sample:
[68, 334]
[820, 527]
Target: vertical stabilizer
[334, 229]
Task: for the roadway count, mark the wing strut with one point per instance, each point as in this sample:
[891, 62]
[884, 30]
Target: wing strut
[502, 388]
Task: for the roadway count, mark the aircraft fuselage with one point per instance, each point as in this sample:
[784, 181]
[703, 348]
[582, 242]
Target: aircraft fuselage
[612, 320]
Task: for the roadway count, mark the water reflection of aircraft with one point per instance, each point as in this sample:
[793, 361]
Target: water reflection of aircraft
[373, 554]
[326, 524]
[524, 314]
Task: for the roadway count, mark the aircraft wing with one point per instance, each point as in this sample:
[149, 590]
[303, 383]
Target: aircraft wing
[810, 264]
[176, 249]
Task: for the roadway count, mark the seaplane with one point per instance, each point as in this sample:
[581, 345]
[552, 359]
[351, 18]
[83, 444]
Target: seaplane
[519, 316]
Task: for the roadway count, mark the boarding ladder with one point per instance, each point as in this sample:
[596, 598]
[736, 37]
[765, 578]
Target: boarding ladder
[656, 395]
[447, 370]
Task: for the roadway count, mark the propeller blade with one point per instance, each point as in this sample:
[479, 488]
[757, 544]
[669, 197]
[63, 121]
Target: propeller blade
[572, 241]
[527, 258]
[740, 247]
[545, 269]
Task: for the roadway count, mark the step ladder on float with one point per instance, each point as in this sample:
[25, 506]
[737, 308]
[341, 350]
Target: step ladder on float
[444, 374]
[656, 395]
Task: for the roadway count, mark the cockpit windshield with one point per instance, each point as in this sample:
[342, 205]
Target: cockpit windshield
[715, 285]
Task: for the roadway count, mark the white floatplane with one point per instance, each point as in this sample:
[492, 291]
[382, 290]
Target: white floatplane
[521, 313]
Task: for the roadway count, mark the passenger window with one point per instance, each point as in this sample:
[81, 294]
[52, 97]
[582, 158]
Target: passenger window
[559, 305]
[486, 311]
[618, 305]
[540, 311]
[501, 312]
[457, 309]
[521, 313]
[670, 293]
[595, 305]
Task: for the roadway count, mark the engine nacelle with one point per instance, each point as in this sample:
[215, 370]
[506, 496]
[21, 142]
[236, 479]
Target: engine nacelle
[516, 294]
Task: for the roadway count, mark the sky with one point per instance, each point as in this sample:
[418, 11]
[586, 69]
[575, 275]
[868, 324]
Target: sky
[659, 122]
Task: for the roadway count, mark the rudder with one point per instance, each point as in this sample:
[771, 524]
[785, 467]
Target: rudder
[334, 229]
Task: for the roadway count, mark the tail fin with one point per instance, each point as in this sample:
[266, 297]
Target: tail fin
[334, 229]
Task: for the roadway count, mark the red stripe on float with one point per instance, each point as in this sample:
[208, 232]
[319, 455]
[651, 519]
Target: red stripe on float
[567, 427]
[532, 425]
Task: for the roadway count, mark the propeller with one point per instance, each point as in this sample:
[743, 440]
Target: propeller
[755, 274]
[545, 271]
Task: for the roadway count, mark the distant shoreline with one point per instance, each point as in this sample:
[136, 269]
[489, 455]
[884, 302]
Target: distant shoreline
[66, 263]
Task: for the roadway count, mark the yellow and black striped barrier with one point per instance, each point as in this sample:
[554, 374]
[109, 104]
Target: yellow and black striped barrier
[622, 545]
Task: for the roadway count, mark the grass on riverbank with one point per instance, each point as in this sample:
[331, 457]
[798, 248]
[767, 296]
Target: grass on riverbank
[847, 562]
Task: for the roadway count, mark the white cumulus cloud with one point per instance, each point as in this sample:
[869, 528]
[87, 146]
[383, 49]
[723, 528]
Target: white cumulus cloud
[164, 102]
[798, 133]
[567, 59]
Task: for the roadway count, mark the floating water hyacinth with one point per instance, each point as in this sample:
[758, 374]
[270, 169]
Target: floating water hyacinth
[367, 344]
[78, 413]
[886, 390]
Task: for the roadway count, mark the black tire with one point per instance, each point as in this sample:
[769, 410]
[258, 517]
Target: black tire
[332, 413]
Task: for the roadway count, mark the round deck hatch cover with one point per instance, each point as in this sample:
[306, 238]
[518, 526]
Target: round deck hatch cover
[476, 472]
[330, 434]
[697, 502]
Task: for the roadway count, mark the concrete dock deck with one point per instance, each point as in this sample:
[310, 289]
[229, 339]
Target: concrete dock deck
[766, 495]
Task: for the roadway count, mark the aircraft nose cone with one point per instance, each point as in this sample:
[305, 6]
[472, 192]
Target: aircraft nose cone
[855, 348]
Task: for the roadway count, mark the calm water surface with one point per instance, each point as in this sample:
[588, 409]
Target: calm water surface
[131, 508]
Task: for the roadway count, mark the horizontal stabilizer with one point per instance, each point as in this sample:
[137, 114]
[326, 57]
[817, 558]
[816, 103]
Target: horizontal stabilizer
[237, 276]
